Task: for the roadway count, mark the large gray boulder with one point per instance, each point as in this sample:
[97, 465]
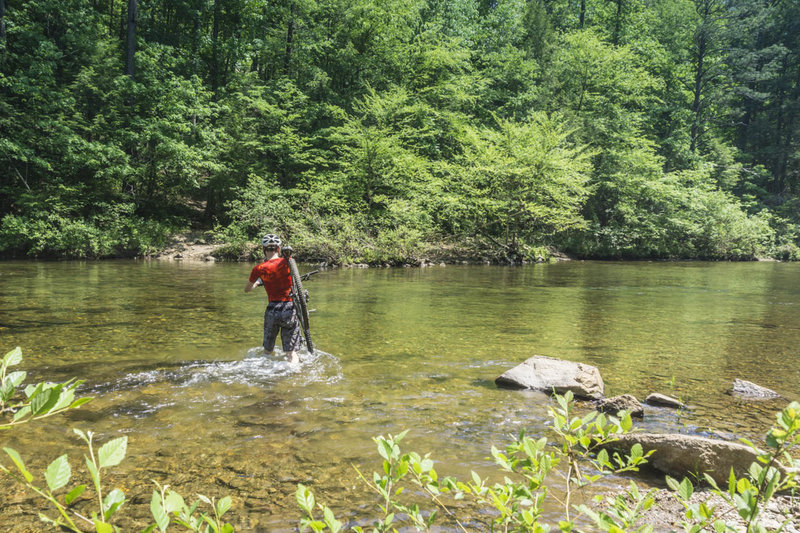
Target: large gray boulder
[751, 390]
[549, 374]
[683, 455]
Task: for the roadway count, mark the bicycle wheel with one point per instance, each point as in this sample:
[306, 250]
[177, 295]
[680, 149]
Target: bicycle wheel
[300, 304]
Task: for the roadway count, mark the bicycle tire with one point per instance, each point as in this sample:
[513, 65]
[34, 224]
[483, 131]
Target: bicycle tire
[300, 304]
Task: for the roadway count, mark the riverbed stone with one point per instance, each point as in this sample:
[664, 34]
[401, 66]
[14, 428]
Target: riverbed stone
[549, 374]
[624, 402]
[682, 455]
[749, 389]
[662, 400]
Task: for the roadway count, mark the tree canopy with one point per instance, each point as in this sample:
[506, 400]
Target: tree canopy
[393, 130]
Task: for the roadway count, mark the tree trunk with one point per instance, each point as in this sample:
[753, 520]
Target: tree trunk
[289, 41]
[698, 89]
[111, 22]
[215, 48]
[618, 23]
[2, 29]
[785, 133]
[750, 106]
[582, 17]
[198, 14]
[133, 16]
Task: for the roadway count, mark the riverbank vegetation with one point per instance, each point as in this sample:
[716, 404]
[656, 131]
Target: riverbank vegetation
[394, 131]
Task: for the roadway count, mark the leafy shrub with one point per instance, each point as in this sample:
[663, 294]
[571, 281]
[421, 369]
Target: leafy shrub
[679, 215]
[113, 231]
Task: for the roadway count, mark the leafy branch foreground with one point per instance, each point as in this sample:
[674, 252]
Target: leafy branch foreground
[46, 399]
[579, 458]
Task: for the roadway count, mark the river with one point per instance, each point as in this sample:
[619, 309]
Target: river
[170, 353]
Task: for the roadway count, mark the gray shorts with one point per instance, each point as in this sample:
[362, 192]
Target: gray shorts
[281, 316]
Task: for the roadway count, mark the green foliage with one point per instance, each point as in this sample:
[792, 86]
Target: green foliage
[680, 214]
[384, 130]
[776, 470]
[580, 457]
[516, 504]
[166, 502]
[117, 231]
[529, 181]
[39, 401]
[167, 506]
[47, 399]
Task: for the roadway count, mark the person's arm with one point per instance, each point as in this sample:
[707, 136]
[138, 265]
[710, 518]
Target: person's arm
[253, 281]
[250, 286]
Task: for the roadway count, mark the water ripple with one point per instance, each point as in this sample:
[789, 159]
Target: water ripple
[255, 369]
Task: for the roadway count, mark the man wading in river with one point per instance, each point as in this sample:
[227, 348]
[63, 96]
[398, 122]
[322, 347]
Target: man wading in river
[280, 313]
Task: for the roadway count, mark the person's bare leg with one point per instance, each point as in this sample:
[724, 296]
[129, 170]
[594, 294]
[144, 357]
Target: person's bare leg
[293, 357]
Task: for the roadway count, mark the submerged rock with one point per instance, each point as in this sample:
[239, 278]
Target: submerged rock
[751, 390]
[625, 402]
[662, 400]
[549, 374]
[683, 455]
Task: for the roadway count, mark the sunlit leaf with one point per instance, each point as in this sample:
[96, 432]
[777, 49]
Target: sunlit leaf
[112, 452]
[223, 505]
[58, 473]
[41, 400]
[685, 490]
[174, 502]
[103, 527]
[159, 513]
[74, 494]
[16, 378]
[22, 413]
[112, 502]
[92, 470]
[17, 460]
[80, 401]
[14, 357]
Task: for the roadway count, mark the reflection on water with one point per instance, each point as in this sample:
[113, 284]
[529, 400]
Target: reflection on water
[167, 352]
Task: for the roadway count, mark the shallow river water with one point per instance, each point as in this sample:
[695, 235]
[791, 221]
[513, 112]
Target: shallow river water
[170, 353]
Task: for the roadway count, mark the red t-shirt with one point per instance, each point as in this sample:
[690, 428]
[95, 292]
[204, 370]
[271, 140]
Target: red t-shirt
[276, 277]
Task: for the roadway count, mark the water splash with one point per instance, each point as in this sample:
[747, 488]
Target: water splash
[254, 369]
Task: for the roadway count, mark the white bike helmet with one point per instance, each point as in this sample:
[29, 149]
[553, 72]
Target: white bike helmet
[271, 239]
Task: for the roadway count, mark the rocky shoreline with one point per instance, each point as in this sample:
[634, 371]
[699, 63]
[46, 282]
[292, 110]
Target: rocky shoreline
[673, 454]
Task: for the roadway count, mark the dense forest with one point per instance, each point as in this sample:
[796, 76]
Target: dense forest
[389, 131]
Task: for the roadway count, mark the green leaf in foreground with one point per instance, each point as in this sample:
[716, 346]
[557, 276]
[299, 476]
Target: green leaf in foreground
[112, 502]
[159, 513]
[19, 463]
[223, 505]
[14, 357]
[58, 473]
[103, 527]
[112, 452]
[74, 494]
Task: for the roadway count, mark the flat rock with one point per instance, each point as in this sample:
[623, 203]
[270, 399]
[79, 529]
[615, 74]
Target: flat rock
[549, 374]
[751, 390]
[662, 400]
[626, 402]
[683, 455]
